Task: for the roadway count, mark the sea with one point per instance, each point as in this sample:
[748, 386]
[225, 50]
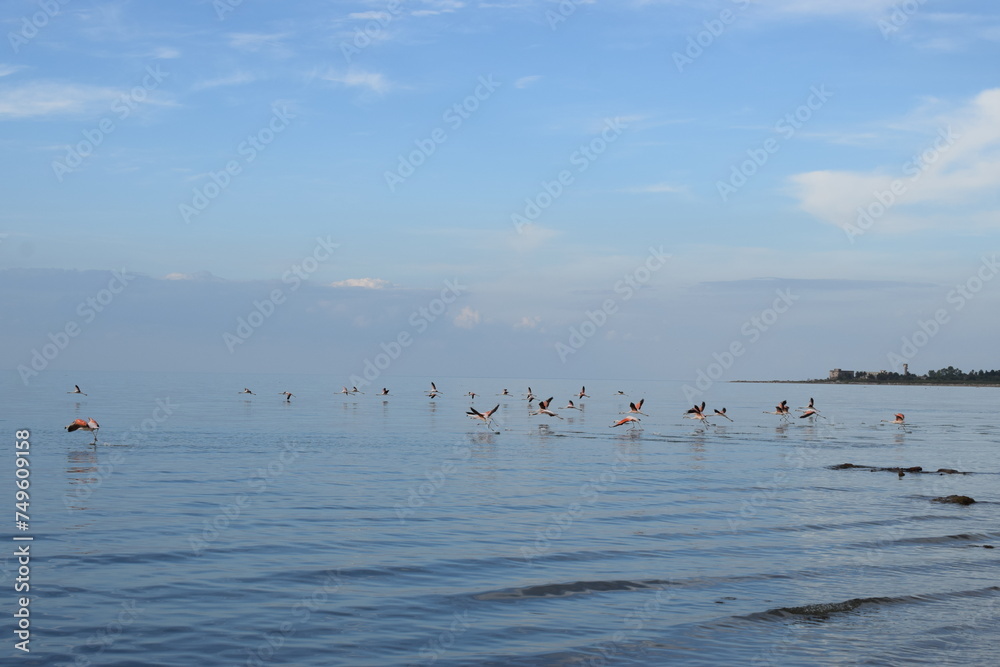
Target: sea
[212, 527]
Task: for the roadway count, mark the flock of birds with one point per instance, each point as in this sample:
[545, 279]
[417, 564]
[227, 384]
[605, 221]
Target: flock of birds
[697, 412]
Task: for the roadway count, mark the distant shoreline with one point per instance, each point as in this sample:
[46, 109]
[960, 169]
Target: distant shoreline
[868, 383]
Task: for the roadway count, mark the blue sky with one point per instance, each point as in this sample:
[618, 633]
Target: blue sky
[545, 157]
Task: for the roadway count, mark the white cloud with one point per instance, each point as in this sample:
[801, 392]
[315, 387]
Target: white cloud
[468, 318]
[530, 236]
[166, 53]
[198, 275]
[42, 98]
[438, 7]
[6, 69]
[253, 42]
[368, 283]
[528, 322]
[832, 7]
[235, 79]
[357, 78]
[370, 16]
[657, 188]
[526, 81]
[947, 181]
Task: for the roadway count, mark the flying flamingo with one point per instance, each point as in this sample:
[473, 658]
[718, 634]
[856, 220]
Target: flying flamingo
[288, 396]
[543, 408]
[780, 409]
[472, 394]
[530, 396]
[433, 393]
[630, 420]
[583, 393]
[505, 393]
[570, 406]
[247, 391]
[696, 409]
[810, 412]
[722, 413]
[697, 412]
[811, 406]
[635, 408]
[486, 417]
[76, 390]
[84, 425]
[384, 392]
[900, 420]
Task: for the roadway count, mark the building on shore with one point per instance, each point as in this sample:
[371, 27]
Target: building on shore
[838, 374]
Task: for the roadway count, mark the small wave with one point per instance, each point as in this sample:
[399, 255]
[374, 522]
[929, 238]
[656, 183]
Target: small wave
[823, 611]
[574, 588]
[945, 539]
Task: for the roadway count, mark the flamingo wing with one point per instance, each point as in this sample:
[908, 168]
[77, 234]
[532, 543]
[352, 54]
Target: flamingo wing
[77, 424]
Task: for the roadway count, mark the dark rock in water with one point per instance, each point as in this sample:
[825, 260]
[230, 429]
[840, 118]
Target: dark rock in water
[957, 500]
[915, 469]
[988, 546]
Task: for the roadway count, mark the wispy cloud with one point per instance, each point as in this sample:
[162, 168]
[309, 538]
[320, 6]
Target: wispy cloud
[865, 8]
[375, 82]
[367, 283]
[657, 188]
[256, 42]
[526, 81]
[953, 172]
[6, 69]
[435, 7]
[468, 318]
[43, 99]
[234, 79]
[166, 53]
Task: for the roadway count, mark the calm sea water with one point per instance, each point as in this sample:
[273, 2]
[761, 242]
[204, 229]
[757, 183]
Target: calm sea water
[208, 528]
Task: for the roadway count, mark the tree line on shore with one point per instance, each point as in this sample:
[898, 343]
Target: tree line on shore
[949, 375]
